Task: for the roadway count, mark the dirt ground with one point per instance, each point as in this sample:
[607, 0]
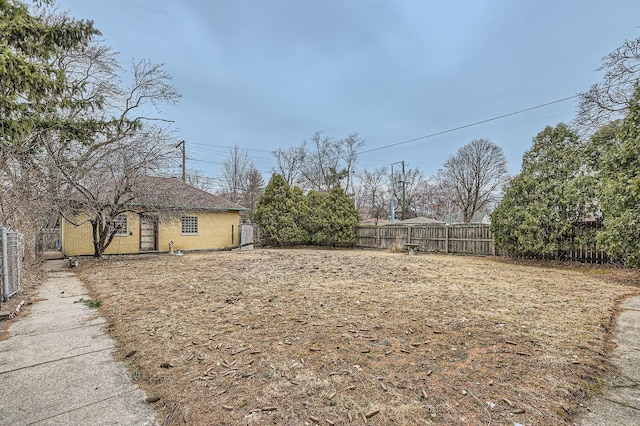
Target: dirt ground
[303, 336]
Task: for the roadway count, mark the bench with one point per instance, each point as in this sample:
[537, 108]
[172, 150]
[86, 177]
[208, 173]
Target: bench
[412, 248]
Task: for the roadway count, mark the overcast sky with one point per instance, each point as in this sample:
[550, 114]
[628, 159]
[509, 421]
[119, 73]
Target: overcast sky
[266, 74]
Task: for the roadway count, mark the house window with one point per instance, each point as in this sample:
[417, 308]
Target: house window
[189, 224]
[119, 224]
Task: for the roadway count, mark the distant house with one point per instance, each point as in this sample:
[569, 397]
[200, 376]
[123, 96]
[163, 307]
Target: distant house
[373, 222]
[198, 221]
[479, 217]
[420, 220]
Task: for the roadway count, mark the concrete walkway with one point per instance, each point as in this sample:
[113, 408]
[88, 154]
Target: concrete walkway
[57, 368]
[620, 404]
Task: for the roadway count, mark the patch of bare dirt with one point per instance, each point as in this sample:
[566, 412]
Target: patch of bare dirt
[337, 336]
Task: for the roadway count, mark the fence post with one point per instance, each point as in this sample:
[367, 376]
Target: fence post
[5, 265]
[377, 237]
[446, 238]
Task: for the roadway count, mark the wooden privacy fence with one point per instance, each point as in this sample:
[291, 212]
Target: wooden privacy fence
[475, 239]
[462, 238]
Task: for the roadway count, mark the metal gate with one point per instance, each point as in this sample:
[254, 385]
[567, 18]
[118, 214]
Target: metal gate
[12, 254]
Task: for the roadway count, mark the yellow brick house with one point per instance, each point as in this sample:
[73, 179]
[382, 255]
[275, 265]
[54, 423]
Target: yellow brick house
[198, 220]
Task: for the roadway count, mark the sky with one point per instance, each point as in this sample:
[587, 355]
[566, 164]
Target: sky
[267, 74]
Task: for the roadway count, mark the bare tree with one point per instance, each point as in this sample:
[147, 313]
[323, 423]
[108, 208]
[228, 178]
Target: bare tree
[290, 162]
[435, 202]
[95, 185]
[373, 194]
[234, 173]
[94, 140]
[252, 190]
[474, 176]
[409, 192]
[321, 166]
[328, 163]
[197, 179]
[95, 177]
[350, 146]
[241, 182]
[610, 99]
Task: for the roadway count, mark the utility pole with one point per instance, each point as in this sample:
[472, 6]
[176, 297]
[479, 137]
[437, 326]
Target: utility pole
[184, 158]
[404, 193]
[392, 213]
[403, 181]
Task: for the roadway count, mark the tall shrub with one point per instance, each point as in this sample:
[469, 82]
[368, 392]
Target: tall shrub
[620, 189]
[280, 214]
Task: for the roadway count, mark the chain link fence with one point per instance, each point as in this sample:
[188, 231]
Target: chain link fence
[11, 256]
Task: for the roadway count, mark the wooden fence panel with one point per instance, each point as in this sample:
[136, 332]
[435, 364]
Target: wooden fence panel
[389, 236]
[474, 239]
[469, 239]
[430, 238]
[367, 236]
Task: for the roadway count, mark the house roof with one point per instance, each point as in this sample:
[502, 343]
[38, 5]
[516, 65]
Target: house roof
[375, 221]
[420, 220]
[173, 193]
[478, 217]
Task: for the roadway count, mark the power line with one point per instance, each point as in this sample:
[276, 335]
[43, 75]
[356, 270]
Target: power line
[469, 125]
[230, 147]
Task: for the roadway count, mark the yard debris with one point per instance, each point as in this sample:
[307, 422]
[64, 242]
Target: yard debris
[227, 407]
[509, 403]
[166, 365]
[269, 408]
[130, 354]
[236, 352]
[152, 399]
[371, 413]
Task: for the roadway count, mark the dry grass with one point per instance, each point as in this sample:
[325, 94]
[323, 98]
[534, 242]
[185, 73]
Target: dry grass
[294, 336]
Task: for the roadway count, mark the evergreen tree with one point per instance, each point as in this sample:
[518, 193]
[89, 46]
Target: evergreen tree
[332, 218]
[620, 188]
[280, 213]
[552, 193]
[341, 219]
[32, 84]
[317, 218]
